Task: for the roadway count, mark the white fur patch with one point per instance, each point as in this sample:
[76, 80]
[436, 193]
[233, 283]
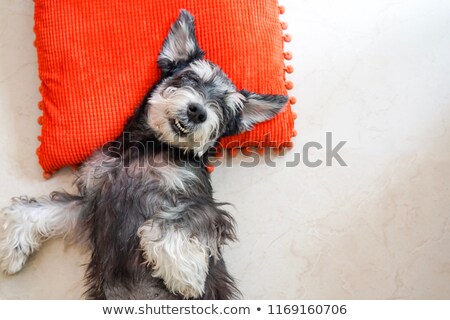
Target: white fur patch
[176, 178]
[235, 101]
[25, 225]
[169, 175]
[181, 260]
[203, 69]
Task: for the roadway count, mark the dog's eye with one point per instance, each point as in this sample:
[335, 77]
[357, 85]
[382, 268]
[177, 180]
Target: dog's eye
[170, 90]
[190, 78]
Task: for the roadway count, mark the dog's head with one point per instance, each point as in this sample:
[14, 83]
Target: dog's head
[195, 103]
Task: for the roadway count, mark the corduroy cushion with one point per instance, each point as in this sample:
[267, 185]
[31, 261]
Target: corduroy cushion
[97, 59]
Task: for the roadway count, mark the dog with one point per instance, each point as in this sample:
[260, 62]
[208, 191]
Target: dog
[145, 204]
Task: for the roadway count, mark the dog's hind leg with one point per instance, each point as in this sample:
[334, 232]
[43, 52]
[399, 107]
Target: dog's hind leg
[27, 222]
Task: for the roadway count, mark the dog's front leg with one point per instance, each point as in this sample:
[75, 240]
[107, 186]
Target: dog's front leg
[176, 256]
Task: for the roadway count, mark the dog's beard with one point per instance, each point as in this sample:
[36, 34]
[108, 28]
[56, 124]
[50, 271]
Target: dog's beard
[167, 112]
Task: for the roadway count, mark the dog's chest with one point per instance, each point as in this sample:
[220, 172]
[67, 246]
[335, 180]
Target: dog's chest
[142, 185]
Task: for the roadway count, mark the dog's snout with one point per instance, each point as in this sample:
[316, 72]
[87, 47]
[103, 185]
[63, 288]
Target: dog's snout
[196, 113]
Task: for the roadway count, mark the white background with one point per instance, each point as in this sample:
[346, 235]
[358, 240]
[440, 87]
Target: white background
[376, 73]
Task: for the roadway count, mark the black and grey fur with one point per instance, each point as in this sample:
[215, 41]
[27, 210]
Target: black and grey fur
[145, 202]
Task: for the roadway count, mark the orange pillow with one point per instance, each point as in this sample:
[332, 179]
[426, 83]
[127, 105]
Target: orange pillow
[97, 59]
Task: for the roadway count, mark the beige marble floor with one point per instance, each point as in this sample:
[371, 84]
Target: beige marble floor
[374, 73]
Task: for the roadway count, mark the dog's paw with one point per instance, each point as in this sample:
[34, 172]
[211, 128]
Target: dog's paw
[12, 260]
[179, 259]
[18, 239]
[187, 291]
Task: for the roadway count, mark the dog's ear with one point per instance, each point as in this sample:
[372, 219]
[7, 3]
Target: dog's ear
[259, 108]
[180, 45]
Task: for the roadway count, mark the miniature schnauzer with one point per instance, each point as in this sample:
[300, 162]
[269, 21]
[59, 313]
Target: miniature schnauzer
[145, 206]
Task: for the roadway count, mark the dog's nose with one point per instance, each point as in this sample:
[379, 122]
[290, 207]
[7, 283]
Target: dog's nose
[196, 113]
